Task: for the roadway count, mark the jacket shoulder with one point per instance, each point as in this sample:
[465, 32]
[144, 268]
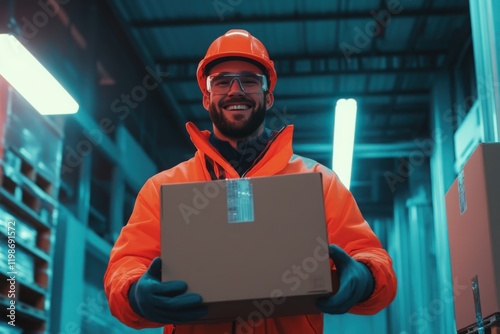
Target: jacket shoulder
[185, 171]
[309, 165]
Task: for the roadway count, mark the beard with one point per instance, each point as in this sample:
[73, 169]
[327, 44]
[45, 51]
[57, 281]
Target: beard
[224, 125]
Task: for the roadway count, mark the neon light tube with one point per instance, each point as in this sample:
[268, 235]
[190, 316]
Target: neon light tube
[343, 139]
[25, 73]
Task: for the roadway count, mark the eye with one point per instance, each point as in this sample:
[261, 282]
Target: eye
[221, 82]
[250, 82]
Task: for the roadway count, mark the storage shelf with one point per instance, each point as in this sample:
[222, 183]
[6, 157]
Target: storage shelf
[30, 249]
[97, 245]
[30, 160]
[98, 215]
[33, 287]
[26, 183]
[23, 208]
[36, 169]
[25, 310]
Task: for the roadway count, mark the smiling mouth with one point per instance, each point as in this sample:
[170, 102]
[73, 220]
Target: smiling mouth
[237, 107]
[241, 105]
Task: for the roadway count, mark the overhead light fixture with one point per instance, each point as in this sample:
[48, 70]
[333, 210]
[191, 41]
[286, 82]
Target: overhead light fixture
[28, 76]
[343, 139]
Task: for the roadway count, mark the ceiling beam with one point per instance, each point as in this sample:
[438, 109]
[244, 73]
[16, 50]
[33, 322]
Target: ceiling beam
[349, 94]
[146, 58]
[367, 110]
[330, 97]
[389, 55]
[288, 17]
[327, 64]
[374, 151]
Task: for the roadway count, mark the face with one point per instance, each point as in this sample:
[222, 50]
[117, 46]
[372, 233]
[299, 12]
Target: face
[237, 114]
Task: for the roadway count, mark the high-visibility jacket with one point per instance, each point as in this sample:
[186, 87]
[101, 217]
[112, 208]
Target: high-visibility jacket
[139, 241]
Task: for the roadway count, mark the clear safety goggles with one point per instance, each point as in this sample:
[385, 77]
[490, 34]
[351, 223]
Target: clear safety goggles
[220, 83]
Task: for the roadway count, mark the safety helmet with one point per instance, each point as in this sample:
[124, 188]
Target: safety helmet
[236, 44]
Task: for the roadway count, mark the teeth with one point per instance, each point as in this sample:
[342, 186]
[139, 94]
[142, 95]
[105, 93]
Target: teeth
[237, 107]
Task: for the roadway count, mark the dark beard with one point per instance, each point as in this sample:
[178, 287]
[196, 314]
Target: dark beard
[220, 121]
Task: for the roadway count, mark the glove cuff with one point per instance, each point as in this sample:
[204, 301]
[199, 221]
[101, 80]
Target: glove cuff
[370, 286]
[132, 299]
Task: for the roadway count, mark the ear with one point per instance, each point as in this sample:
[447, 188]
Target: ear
[269, 100]
[206, 101]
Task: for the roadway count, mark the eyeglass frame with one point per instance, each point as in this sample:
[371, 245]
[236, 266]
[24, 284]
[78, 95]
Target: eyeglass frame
[236, 76]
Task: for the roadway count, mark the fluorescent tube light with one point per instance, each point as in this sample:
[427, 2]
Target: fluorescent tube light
[25, 73]
[343, 139]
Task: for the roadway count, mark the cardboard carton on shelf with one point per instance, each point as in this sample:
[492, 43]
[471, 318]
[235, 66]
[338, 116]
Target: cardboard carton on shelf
[473, 214]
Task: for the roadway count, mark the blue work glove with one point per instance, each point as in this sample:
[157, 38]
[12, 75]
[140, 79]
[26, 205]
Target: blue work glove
[164, 302]
[356, 283]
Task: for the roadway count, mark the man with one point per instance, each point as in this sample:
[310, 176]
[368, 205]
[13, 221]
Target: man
[237, 79]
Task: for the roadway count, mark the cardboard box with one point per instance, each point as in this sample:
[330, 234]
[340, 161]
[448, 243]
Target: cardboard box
[473, 214]
[491, 325]
[252, 248]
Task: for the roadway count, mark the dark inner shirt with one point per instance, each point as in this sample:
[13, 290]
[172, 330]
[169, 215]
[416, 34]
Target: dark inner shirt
[245, 153]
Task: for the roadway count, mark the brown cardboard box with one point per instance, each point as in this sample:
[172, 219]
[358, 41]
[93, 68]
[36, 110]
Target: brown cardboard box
[252, 248]
[473, 214]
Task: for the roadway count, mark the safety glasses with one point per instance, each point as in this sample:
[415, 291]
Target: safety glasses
[220, 83]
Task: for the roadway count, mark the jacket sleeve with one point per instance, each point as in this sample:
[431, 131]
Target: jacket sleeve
[134, 250]
[348, 229]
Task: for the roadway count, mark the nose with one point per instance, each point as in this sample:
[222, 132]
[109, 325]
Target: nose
[235, 88]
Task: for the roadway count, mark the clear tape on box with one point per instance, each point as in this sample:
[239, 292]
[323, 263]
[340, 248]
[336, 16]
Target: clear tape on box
[240, 202]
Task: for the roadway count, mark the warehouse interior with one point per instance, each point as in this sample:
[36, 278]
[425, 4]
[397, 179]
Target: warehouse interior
[425, 75]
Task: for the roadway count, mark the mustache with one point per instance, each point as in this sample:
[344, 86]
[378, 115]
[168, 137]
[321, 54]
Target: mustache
[236, 100]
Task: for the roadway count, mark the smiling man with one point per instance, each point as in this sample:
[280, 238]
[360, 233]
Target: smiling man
[237, 79]
[238, 102]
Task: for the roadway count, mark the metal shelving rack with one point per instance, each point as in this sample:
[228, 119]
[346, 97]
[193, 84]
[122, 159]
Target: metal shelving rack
[29, 183]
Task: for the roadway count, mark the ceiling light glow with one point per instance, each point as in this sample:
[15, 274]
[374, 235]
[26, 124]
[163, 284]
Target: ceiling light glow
[28, 76]
[343, 139]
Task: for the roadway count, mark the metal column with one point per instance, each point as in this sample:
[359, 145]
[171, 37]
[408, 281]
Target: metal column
[485, 20]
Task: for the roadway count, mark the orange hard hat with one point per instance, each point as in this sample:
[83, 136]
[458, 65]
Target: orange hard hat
[236, 44]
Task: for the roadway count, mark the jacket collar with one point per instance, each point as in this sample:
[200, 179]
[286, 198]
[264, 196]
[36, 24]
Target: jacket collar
[276, 156]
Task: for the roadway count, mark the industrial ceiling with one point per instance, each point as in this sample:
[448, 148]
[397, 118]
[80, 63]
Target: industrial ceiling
[384, 53]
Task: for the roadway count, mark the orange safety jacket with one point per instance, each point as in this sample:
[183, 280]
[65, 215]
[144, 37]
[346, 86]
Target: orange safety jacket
[139, 241]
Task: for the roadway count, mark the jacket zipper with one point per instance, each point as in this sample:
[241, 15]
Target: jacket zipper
[261, 155]
[210, 165]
